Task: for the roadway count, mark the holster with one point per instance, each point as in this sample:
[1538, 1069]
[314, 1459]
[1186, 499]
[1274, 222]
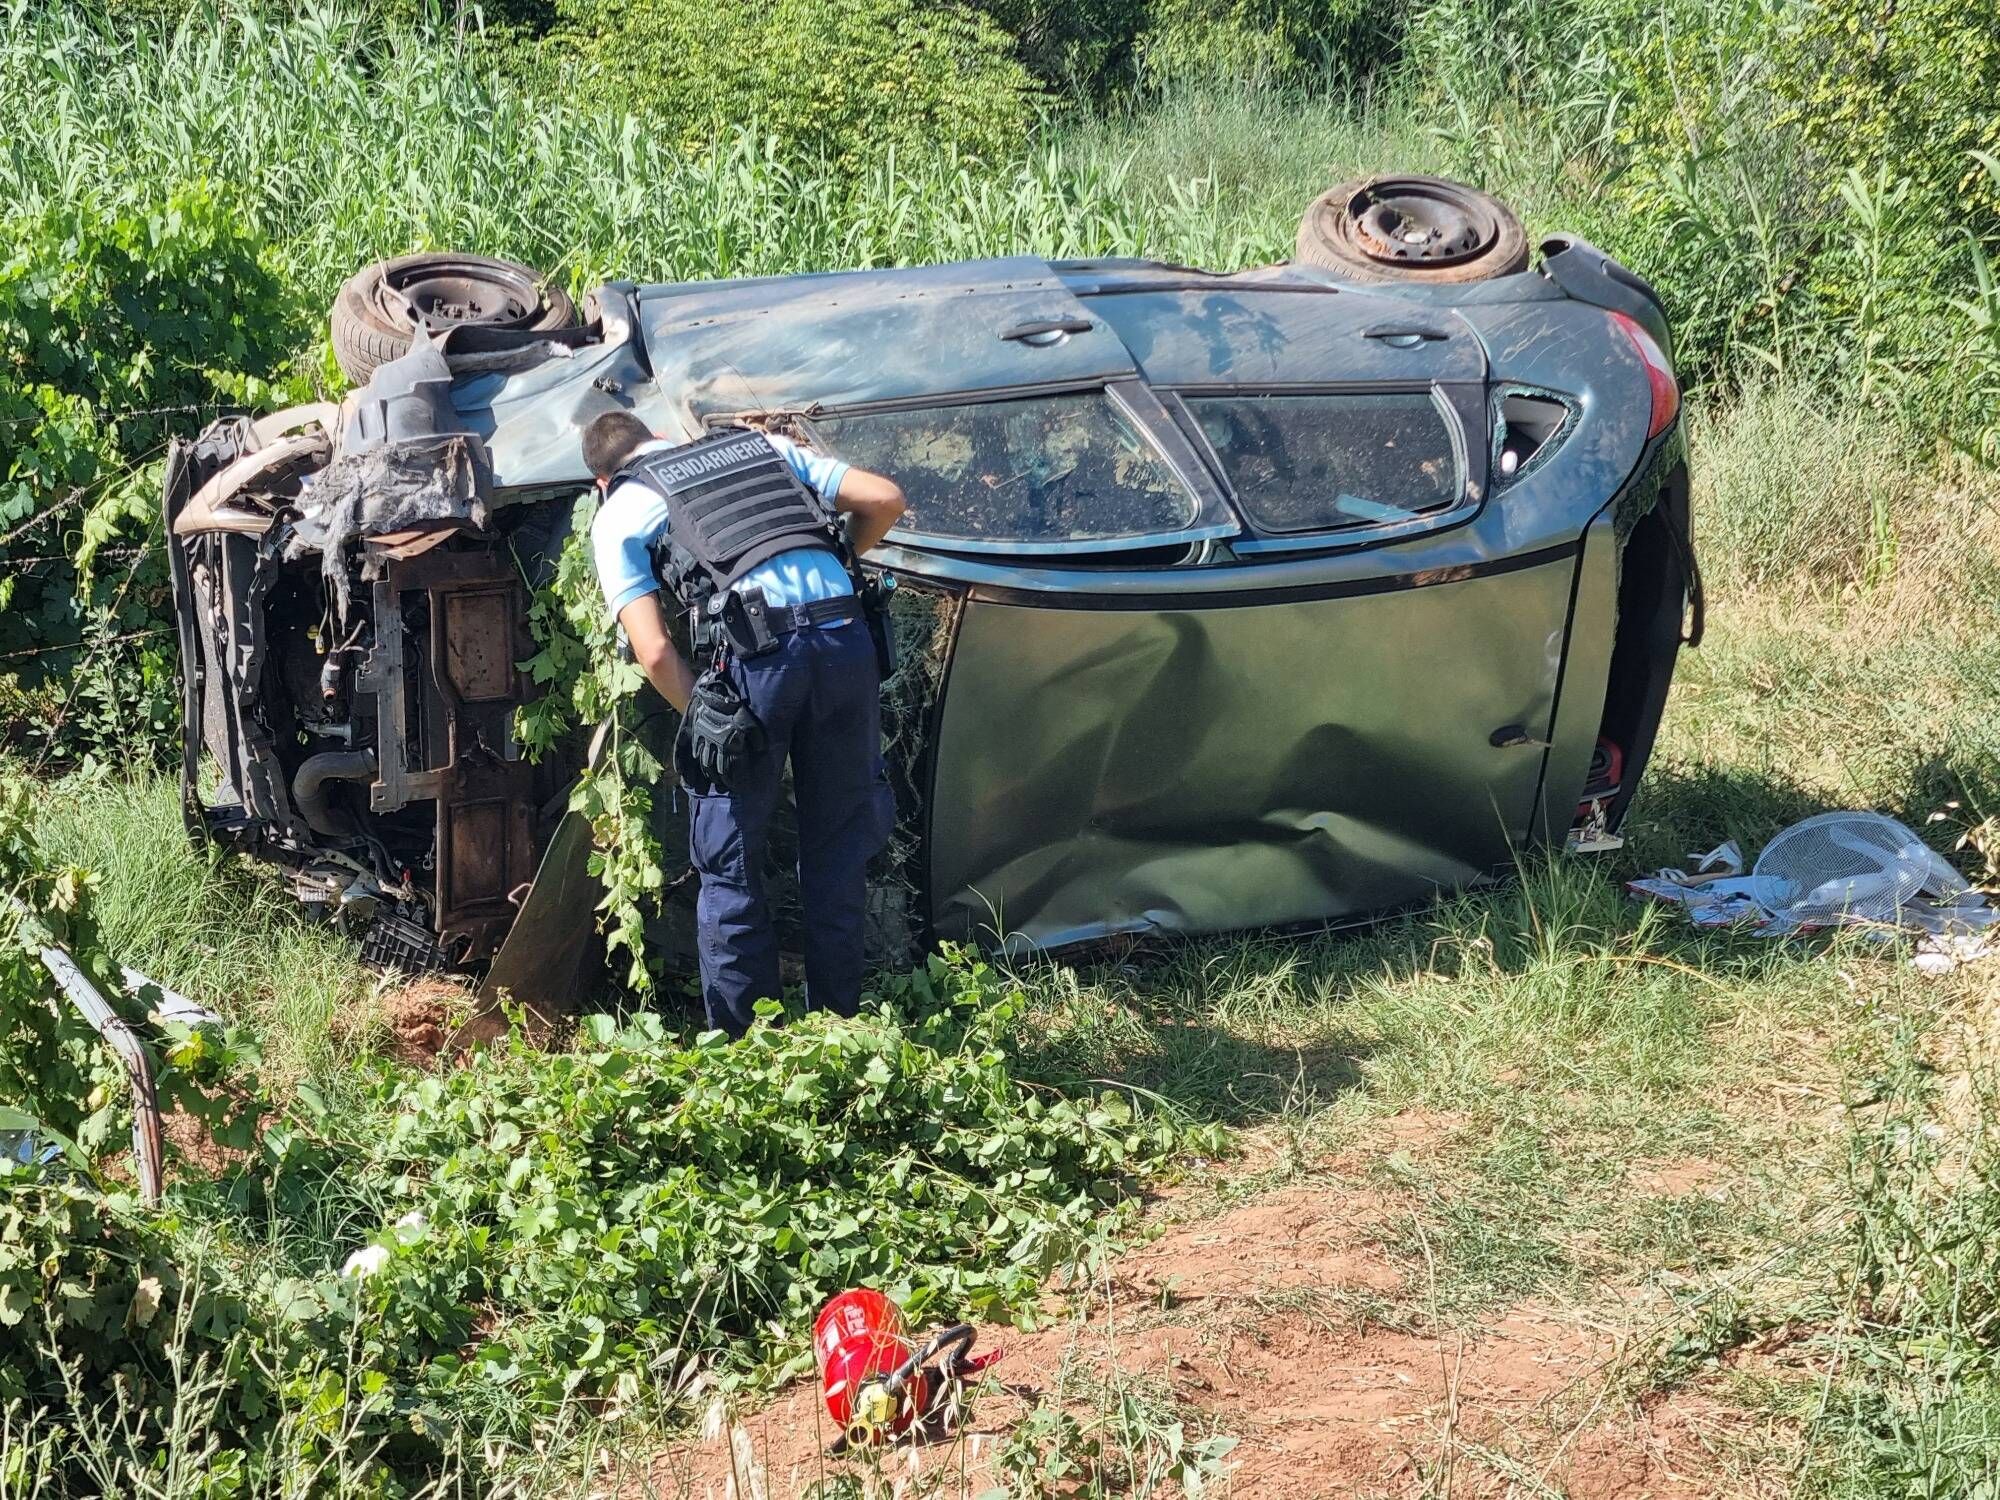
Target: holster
[746, 623]
[875, 591]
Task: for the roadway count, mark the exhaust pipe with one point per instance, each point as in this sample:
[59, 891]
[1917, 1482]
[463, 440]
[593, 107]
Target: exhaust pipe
[312, 785]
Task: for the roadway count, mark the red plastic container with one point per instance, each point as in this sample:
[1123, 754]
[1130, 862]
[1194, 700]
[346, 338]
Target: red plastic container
[858, 1338]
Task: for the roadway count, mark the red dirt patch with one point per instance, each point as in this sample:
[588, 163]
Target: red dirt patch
[1261, 1324]
[418, 1018]
[192, 1150]
[1673, 1179]
[1669, 1448]
[1295, 1238]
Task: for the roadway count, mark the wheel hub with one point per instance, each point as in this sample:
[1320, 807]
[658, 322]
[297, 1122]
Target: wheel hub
[1419, 221]
[445, 296]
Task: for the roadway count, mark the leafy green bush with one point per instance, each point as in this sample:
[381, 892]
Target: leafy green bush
[642, 1192]
[150, 1354]
[56, 1074]
[530, 18]
[1268, 41]
[1657, 125]
[102, 1306]
[590, 681]
[476, 1248]
[1908, 84]
[1801, 183]
[1076, 47]
[845, 82]
[53, 1066]
[121, 319]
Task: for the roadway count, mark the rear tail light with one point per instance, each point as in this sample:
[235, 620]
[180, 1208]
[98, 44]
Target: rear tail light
[1659, 375]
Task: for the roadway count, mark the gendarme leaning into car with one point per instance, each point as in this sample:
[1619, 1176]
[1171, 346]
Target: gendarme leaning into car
[746, 531]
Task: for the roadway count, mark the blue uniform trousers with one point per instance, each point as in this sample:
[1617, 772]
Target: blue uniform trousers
[818, 696]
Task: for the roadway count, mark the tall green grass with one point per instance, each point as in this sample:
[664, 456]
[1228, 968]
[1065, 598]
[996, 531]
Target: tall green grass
[1662, 135]
[345, 143]
[224, 933]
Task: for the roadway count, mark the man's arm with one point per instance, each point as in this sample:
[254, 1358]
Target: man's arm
[621, 534]
[646, 628]
[875, 503]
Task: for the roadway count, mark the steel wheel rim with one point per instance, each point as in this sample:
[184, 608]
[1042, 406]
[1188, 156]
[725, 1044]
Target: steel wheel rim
[1416, 221]
[445, 293]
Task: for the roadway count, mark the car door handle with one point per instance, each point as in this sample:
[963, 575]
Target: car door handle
[1045, 327]
[1510, 736]
[1400, 334]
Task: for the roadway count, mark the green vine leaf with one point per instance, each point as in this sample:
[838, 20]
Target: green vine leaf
[592, 684]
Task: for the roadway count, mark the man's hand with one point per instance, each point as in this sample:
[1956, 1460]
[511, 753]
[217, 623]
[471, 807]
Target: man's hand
[875, 503]
[646, 628]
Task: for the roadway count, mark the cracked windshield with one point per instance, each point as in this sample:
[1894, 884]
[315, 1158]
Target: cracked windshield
[1048, 468]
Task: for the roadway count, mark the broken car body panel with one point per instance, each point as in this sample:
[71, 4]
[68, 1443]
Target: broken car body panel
[1156, 766]
[1162, 673]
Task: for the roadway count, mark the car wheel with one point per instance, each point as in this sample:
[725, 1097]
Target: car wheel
[1412, 229]
[377, 311]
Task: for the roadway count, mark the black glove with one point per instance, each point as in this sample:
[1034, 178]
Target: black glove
[719, 733]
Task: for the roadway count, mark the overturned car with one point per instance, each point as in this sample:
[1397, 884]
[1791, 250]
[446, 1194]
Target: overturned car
[1283, 596]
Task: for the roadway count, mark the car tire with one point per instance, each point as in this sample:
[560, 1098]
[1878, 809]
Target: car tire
[374, 317]
[1413, 229]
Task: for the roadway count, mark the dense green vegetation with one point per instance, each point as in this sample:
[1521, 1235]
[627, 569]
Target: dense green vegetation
[845, 83]
[1815, 190]
[1805, 217]
[535, 1229]
[123, 318]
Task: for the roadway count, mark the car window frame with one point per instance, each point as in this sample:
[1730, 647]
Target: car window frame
[1496, 437]
[1462, 403]
[1215, 518]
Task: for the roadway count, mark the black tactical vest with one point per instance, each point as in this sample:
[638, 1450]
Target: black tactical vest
[732, 504]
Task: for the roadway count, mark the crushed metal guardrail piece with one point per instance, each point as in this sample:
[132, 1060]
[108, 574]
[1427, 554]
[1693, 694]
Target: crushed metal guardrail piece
[163, 1003]
[147, 1146]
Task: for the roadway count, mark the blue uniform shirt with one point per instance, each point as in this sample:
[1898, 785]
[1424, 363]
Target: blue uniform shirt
[632, 518]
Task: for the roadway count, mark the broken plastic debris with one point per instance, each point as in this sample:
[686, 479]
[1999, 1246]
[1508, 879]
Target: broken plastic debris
[1838, 869]
[1941, 953]
[1721, 901]
[366, 1261]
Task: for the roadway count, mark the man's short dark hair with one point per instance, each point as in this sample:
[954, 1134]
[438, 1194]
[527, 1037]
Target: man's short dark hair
[610, 439]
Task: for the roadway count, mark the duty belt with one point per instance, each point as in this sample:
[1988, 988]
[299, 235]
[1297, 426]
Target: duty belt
[788, 618]
[746, 624]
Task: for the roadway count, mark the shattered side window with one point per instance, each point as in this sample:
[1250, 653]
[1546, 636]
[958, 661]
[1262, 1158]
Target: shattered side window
[1316, 463]
[1037, 469]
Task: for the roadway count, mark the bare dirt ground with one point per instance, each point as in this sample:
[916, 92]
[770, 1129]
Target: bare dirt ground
[192, 1152]
[419, 1020]
[1280, 1323]
[413, 1021]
